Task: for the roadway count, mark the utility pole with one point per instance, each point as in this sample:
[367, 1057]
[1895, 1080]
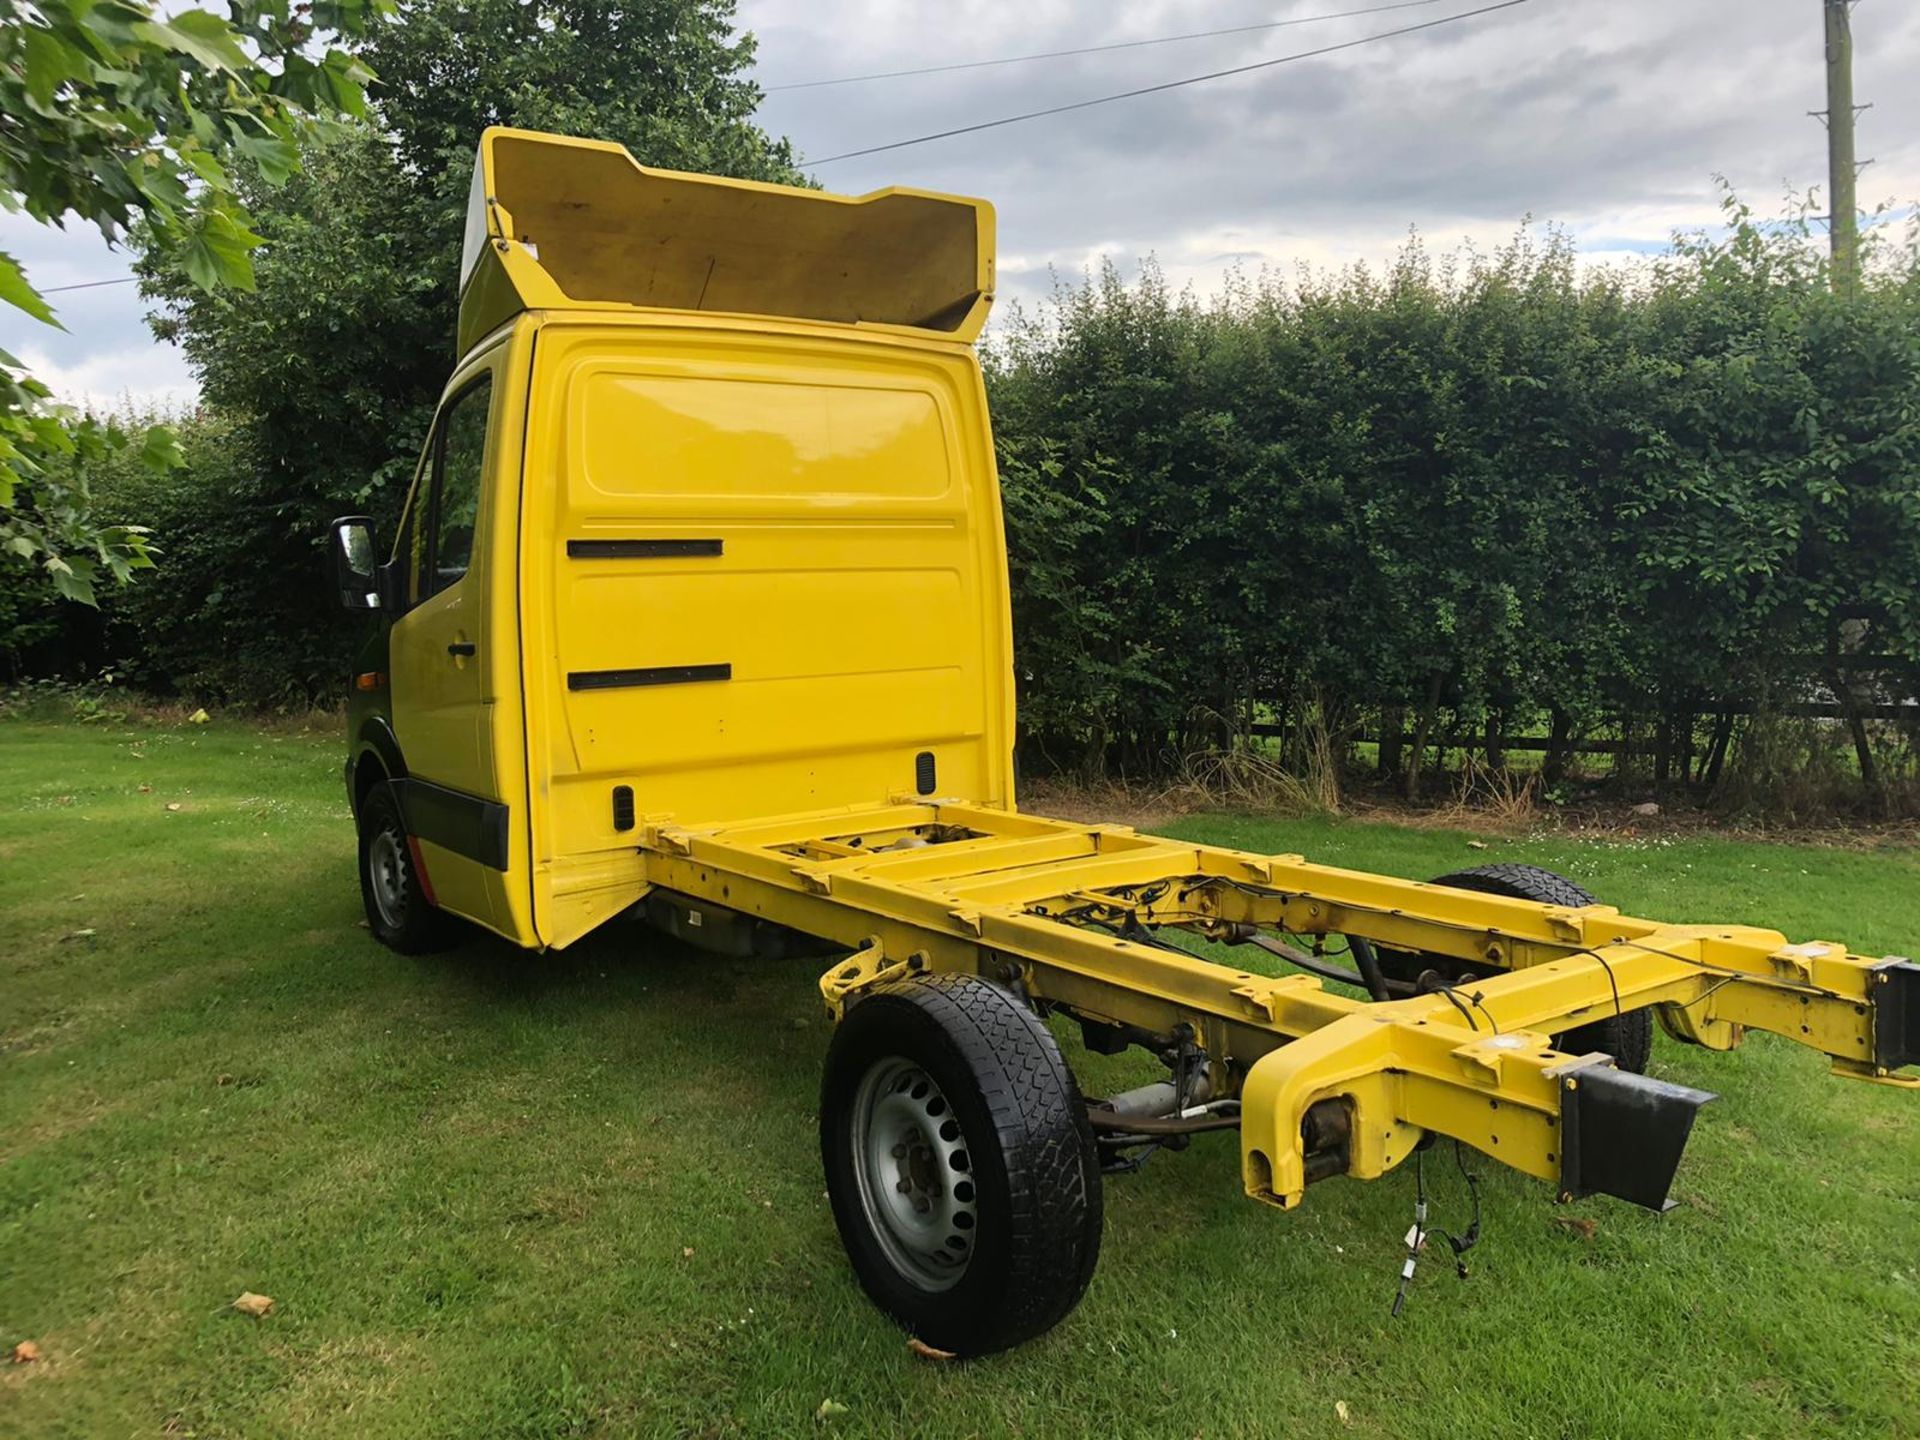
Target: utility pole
[1843, 232]
[1843, 225]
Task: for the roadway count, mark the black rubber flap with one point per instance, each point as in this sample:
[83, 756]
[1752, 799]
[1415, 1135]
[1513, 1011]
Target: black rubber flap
[1896, 1014]
[1622, 1134]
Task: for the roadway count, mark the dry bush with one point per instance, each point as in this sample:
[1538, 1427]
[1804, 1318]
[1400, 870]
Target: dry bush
[1484, 792]
[1241, 779]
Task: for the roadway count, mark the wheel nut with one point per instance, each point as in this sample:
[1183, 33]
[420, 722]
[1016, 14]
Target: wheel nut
[899, 1152]
[903, 1186]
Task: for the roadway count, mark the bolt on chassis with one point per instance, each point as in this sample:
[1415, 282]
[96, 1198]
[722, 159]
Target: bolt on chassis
[698, 611]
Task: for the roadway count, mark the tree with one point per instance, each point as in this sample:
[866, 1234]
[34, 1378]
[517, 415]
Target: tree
[117, 116]
[666, 78]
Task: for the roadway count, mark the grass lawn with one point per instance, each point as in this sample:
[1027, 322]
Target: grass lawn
[499, 1194]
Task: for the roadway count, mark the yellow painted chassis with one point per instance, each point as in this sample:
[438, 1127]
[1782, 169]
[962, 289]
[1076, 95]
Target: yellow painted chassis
[945, 887]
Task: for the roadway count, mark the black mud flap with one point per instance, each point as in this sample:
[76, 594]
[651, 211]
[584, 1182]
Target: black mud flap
[1622, 1134]
[1896, 1014]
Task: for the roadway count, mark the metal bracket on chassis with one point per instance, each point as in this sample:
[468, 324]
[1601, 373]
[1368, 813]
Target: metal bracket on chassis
[865, 968]
[1622, 1134]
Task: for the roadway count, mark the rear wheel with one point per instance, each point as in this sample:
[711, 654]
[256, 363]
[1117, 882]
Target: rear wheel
[398, 911]
[960, 1165]
[1628, 1038]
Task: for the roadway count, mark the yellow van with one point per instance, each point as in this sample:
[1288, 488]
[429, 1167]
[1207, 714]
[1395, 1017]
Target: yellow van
[698, 611]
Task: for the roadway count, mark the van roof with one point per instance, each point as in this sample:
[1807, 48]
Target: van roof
[555, 222]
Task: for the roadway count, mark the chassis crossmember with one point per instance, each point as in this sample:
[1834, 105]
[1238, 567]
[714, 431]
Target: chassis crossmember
[1079, 919]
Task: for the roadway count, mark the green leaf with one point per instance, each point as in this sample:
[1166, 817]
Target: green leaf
[345, 79]
[203, 37]
[50, 63]
[207, 167]
[276, 159]
[74, 581]
[162, 189]
[15, 290]
[215, 252]
[160, 449]
[110, 26]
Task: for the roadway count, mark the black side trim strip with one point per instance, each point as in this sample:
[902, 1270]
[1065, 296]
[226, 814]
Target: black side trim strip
[654, 675]
[455, 820]
[640, 549]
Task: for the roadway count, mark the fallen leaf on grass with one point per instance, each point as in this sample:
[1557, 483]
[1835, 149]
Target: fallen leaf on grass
[79, 935]
[199, 717]
[927, 1352]
[1340, 1409]
[146, 789]
[25, 1353]
[224, 1080]
[1476, 844]
[828, 1409]
[1578, 1224]
[686, 1252]
[258, 1306]
[173, 805]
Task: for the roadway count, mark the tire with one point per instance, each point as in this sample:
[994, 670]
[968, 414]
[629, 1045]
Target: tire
[960, 1164]
[398, 911]
[1627, 1038]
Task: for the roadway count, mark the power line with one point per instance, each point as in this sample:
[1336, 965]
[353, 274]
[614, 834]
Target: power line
[1166, 85]
[1099, 49]
[88, 285]
[1078, 104]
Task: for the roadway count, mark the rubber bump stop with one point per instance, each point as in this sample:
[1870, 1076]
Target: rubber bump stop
[1622, 1134]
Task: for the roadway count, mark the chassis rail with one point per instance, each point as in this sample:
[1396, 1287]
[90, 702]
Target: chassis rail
[1077, 918]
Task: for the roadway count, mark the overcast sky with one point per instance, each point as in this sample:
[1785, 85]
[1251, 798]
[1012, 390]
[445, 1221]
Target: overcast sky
[1608, 117]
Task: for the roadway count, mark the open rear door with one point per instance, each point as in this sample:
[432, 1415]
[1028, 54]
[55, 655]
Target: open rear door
[767, 579]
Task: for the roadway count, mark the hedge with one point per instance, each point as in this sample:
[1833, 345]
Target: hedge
[1487, 495]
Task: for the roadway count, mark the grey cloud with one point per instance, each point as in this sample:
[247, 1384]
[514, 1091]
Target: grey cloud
[1610, 116]
[1572, 112]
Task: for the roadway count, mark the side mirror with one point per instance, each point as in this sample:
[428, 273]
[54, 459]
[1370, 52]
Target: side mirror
[350, 540]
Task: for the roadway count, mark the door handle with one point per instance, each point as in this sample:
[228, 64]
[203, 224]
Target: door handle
[461, 647]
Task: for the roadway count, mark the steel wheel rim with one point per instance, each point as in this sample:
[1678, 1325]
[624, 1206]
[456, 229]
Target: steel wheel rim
[914, 1174]
[387, 877]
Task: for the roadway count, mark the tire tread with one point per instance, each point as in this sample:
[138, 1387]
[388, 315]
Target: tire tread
[1627, 1037]
[1054, 1220]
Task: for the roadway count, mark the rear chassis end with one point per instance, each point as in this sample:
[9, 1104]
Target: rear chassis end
[1113, 928]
